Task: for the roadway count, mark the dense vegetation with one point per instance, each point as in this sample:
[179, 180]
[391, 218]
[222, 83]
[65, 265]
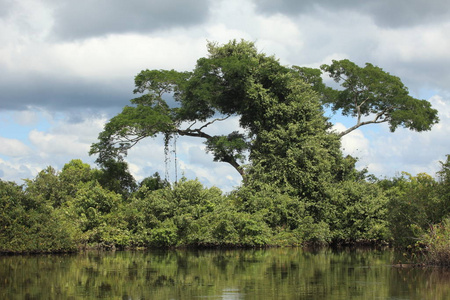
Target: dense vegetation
[297, 187]
[70, 209]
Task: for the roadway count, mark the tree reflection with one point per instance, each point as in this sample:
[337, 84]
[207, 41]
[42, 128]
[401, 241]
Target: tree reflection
[282, 273]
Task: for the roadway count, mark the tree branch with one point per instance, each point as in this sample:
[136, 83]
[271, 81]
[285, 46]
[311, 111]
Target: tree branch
[341, 134]
[199, 133]
[209, 123]
[376, 120]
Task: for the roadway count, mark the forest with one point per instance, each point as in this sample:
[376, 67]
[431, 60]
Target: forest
[297, 186]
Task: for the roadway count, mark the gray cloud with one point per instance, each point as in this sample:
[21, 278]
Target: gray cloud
[36, 90]
[6, 6]
[83, 18]
[385, 13]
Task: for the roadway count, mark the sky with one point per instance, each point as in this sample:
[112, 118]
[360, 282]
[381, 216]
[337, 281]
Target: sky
[66, 67]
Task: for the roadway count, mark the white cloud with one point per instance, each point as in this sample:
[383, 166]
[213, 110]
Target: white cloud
[353, 143]
[327, 34]
[236, 19]
[119, 56]
[15, 170]
[49, 144]
[55, 146]
[105, 58]
[13, 147]
[69, 139]
[417, 43]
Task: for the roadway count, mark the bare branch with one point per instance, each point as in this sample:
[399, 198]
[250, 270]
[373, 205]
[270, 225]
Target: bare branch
[192, 125]
[375, 121]
[209, 123]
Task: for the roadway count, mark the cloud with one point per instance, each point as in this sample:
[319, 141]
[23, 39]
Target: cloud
[406, 12]
[385, 13]
[13, 147]
[16, 170]
[6, 6]
[26, 117]
[353, 143]
[84, 19]
[417, 55]
[68, 139]
[57, 145]
[238, 19]
[94, 74]
[44, 92]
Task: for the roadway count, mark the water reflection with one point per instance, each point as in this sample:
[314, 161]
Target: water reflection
[284, 273]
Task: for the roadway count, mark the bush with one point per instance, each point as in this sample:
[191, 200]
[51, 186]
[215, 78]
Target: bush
[32, 224]
[357, 212]
[414, 204]
[437, 241]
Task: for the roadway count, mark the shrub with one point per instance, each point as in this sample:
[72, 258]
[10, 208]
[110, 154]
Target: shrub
[414, 204]
[357, 211]
[437, 241]
[32, 224]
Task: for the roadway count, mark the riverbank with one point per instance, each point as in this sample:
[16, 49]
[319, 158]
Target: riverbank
[67, 211]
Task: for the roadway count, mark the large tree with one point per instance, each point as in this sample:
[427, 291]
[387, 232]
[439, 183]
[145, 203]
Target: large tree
[277, 110]
[284, 132]
[371, 95]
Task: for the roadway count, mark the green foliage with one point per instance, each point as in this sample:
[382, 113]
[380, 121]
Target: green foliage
[279, 210]
[96, 212]
[271, 101]
[415, 203]
[75, 172]
[371, 92]
[350, 211]
[233, 145]
[287, 216]
[437, 241]
[149, 116]
[154, 182]
[86, 214]
[287, 138]
[62, 211]
[357, 212]
[32, 225]
[443, 188]
[47, 187]
[115, 176]
[72, 175]
[165, 235]
[188, 214]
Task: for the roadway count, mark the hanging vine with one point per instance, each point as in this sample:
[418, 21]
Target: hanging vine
[175, 137]
[167, 137]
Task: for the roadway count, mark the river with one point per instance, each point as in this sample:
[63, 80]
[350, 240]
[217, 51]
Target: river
[279, 273]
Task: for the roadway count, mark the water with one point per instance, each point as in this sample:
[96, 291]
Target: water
[284, 273]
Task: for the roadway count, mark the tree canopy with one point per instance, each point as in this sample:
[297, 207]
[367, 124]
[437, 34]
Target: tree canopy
[278, 107]
[373, 93]
[234, 80]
